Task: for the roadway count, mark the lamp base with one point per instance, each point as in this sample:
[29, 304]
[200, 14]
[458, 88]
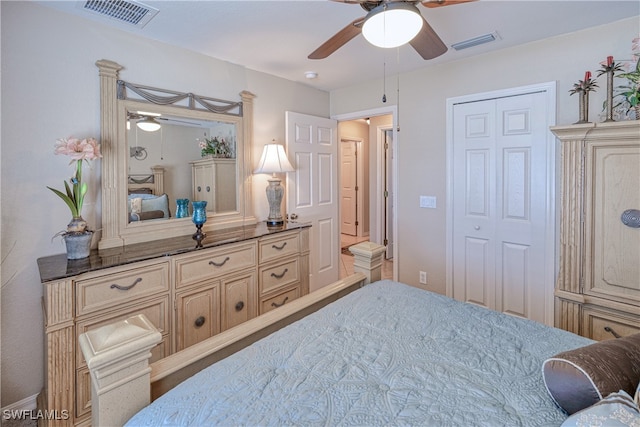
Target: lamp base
[275, 191]
[198, 236]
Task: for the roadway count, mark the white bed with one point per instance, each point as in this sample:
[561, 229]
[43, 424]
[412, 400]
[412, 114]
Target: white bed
[361, 353]
[386, 354]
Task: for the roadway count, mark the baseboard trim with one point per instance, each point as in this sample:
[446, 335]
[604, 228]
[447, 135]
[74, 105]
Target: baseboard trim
[26, 404]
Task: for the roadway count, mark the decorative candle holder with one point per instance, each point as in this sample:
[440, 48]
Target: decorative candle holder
[609, 68]
[582, 88]
[182, 210]
[199, 218]
[609, 96]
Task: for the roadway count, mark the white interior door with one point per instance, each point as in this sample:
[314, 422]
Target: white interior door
[500, 201]
[349, 187]
[312, 191]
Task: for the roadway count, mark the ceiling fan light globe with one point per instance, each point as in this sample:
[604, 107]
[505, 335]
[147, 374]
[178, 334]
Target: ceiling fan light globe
[148, 124]
[392, 24]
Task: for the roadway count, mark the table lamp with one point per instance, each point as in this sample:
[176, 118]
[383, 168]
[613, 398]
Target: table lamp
[274, 160]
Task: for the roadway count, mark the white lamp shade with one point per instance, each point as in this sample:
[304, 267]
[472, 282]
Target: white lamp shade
[148, 124]
[274, 160]
[392, 24]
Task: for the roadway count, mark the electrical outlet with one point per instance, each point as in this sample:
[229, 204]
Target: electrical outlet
[423, 277]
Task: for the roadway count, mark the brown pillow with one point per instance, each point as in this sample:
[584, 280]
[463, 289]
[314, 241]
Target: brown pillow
[141, 216]
[578, 378]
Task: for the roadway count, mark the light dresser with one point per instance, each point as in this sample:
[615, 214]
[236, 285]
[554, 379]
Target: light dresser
[598, 289]
[188, 293]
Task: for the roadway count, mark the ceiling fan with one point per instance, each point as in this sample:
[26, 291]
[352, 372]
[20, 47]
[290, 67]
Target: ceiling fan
[426, 42]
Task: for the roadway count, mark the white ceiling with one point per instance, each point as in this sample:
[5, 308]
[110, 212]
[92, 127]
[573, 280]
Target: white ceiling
[276, 37]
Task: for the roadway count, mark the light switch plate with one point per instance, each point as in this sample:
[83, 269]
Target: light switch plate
[428, 202]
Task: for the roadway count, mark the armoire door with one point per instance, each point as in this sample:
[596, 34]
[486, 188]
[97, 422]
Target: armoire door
[612, 248]
[500, 199]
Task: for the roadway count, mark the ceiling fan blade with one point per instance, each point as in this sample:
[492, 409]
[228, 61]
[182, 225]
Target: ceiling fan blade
[427, 43]
[168, 119]
[438, 3]
[338, 40]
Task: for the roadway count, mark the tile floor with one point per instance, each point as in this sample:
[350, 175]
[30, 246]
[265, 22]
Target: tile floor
[346, 261]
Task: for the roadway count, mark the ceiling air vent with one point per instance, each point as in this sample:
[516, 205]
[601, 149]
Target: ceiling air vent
[475, 41]
[125, 11]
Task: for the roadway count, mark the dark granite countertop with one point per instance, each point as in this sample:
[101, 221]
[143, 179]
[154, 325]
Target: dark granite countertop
[56, 267]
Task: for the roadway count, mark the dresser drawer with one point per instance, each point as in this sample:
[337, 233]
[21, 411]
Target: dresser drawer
[157, 311]
[113, 288]
[279, 276]
[214, 263]
[276, 247]
[601, 324]
[279, 300]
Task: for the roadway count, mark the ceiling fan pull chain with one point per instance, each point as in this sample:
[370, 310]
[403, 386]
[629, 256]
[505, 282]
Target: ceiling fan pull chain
[384, 79]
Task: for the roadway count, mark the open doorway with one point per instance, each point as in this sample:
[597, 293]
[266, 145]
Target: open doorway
[366, 190]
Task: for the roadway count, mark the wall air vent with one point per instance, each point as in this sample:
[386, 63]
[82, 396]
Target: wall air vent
[125, 11]
[475, 41]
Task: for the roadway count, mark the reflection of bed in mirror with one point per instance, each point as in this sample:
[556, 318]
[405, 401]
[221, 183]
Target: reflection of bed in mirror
[146, 196]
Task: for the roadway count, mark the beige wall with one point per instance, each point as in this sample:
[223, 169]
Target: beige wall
[50, 90]
[421, 142]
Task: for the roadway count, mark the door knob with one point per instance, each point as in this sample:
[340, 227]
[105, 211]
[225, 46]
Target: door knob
[294, 216]
[476, 227]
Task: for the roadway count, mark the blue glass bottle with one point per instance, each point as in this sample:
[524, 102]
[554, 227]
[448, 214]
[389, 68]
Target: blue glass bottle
[183, 208]
[199, 212]
[199, 218]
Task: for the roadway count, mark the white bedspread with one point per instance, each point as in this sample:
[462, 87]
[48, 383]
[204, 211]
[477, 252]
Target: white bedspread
[387, 354]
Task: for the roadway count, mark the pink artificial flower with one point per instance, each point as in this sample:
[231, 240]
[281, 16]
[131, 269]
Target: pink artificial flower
[86, 149]
[635, 45]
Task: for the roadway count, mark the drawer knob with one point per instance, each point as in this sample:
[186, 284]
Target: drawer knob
[219, 264]
[273, 304]
[208, 189]
[126, 288]
[199, 321]
[280, 276]
[239, 306]
[279, 248]
[612, 332]
[199, 189]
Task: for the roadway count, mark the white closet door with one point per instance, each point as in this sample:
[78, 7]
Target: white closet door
[499, 204]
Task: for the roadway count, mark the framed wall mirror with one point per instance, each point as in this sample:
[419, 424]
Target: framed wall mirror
[170, 148]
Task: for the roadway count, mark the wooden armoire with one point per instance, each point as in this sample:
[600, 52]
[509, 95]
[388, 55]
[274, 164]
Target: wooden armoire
[597, 294]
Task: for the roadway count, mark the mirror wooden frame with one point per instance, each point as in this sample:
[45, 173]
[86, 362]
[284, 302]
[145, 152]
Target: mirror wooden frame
[117, 231]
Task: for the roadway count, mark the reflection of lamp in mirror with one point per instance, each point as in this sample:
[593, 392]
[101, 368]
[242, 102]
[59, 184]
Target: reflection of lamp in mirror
[148, 124]
[274, 160]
